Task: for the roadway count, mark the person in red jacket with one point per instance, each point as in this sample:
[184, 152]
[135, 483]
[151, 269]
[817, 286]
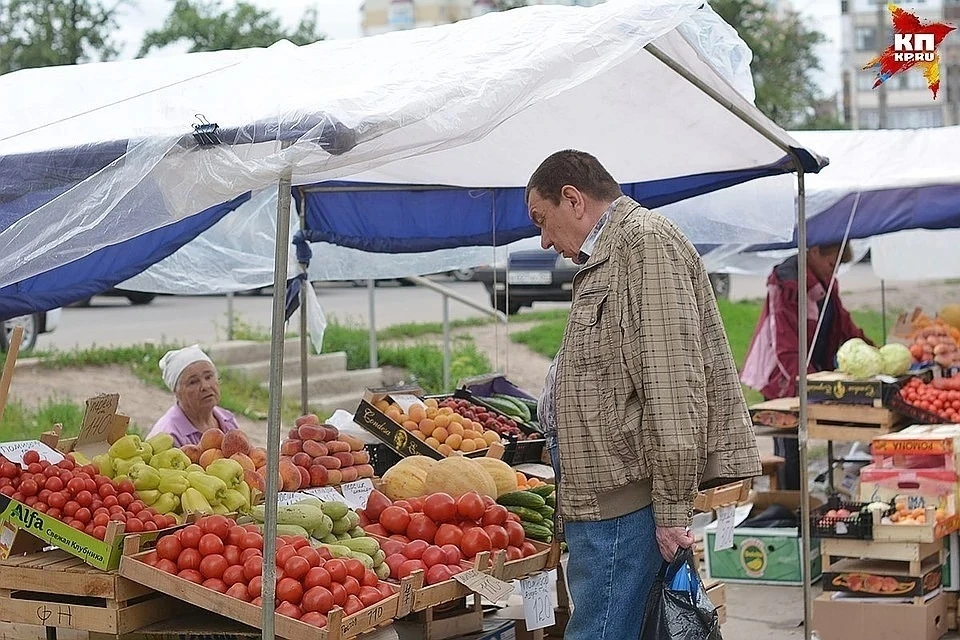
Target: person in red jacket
[772, 363]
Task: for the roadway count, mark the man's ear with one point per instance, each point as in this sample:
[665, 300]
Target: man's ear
[572, 196]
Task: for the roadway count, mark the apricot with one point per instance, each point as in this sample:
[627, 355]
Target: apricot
[433, 442]
[417, 413]
[440, 434]
[453, 440]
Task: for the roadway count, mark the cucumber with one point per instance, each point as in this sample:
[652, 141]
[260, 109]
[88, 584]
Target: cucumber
[357, 532]
[527, 514]
[362, 557]
[382, 571]
[543, 490]
[368, 546]
[551, 500]
[521, 499]
[342, 525]
[335, 510]
[546, 512]
[532, 407]
[537, 532]
[505, 407]
[522, 409]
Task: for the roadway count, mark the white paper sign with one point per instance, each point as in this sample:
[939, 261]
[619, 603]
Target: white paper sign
[405, 401]
[288, 497]
[537, 605]
[493, 589]
[725, 524]
[13, 451]
[357, 493]
[327, 494]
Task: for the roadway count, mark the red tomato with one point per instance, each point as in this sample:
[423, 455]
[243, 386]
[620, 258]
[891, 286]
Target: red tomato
[168, 547]
[448, 534]
[110, 501]
[106, 490]
[528, 549]
[416, 505]
[400, 538]
[29, 488]
[238, 590]
[370, 595]
[414, 550]
[354, 605]
[284, 553]
[352, 586]
[297, 566]
[494, 514]
[395, 519]
[317, 577]
[376, 530]
[31, 457]
[409, 567]
[151, 558]
[499, 539]
[134, 525]
[314, 619]
[255, 587]
[213, 566]
[234, 575]
[192, 575]
[231, 553]
[438, 573]
[394, 561]
[210, 544]
[370, 579]
[54, 484]
[452, 553]
[217, 525]
[189, 559]
[125, 499]
[515, 533]
[252, 541]
[337, 570]
[514, 553]
[83, 515]
[376, 503]
[289, 590]
[474, 541]
[167, 566]
[299, 542]
[470, 506]
[317, 599]
[355, 568]
[289, 610]
[216, 584]
[433, 555]
[249, 553]
[440, 507]
[252, 567]
[190, 536]
[235, 535]
[390, 547]
[310, 555]
[421, 527]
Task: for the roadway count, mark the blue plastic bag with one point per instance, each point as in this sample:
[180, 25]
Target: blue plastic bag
[678, 607]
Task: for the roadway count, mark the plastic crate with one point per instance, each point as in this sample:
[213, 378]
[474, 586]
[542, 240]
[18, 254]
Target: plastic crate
[382, 458]
[858, 526]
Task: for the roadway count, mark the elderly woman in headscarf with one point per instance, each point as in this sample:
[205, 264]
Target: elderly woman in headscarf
[190, 374]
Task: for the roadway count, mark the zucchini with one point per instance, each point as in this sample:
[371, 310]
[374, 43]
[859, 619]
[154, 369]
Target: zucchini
[543, 490]
[521, 499]
[537, 532]
[526, 514]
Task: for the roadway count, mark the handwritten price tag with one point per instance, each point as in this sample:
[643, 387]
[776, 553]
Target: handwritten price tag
[357, 493]
[725, 524]
[327, 494]
[493, 589]
[97, 419]
[288, 497]
[405, 401]
[13, 451]
[537, 605]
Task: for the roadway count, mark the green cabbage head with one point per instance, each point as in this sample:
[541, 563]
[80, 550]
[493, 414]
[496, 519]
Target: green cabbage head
[895, 359]
[858, 359]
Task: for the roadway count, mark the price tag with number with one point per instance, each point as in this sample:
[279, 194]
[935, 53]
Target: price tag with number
[725, 525]
[537, 605]
[288, 497]
[97, 419]
[493, 589]
[357, 493]
[405, 401]
[327, 494]
[13, 451]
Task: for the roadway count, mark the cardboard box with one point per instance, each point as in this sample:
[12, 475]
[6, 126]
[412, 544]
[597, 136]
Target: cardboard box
[763, 556]
[951, 565]
[392, 434]
[782, 413]
[494, 629]
[838, 618]
[919, 445]
[883, 578]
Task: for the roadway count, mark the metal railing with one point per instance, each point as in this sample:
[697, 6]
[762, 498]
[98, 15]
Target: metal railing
[447, 294]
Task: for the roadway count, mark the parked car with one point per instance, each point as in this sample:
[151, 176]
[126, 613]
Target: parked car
[135, 297]
[539, 275]
[33, 325]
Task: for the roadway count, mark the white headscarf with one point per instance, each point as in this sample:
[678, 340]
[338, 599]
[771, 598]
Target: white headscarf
[174, 362]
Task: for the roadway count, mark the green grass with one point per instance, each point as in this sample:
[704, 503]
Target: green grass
[21, 423]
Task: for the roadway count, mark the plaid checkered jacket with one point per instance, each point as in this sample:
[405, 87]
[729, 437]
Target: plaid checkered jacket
[648, 403]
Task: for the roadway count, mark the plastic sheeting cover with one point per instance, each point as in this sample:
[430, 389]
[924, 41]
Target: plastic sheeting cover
[116, 131]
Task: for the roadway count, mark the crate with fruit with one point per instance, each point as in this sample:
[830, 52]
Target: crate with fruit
[511, 417]
[413, 425]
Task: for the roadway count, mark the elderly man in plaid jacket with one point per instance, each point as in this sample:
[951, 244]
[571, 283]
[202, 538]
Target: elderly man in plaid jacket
[643, 404]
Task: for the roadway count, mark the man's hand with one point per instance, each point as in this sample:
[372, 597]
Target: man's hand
[669, 539]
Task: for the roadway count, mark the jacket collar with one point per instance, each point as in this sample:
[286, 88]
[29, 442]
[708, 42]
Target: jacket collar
[622, 207]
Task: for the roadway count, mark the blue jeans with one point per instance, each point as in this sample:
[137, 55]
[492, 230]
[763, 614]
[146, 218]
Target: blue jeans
[612, 566]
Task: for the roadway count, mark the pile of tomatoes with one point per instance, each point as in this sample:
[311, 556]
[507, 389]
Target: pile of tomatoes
[942, 397]
[471, 523]
[78, 495]
[223, 556]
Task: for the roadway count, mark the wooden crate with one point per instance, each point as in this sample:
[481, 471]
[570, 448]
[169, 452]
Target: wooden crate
[56, 589]
[339, 626]
[440, 622]
[717, 592]
[851, 422]
[734, 493]
[546, 558]
[913, 553]
[415, 595]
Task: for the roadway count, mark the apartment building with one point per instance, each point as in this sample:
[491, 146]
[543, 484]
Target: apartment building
[380, 16]
[904, 101]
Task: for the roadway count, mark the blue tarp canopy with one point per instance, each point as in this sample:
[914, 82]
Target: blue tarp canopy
[101, 177]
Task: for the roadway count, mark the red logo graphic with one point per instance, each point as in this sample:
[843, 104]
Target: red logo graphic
[915, 43]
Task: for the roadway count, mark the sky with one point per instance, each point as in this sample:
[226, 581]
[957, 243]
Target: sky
[341, 19]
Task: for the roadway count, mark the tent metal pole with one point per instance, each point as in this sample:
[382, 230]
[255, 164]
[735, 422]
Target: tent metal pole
[273, 417]
[372, 322]
[802, 393]
[883, 308]
[303, 319]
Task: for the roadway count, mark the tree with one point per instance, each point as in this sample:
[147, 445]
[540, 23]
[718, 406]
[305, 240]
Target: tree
[211, 28]
[784, 57]
[42, 33]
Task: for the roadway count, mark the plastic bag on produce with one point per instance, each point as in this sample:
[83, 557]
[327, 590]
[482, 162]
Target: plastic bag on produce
[678, 607]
